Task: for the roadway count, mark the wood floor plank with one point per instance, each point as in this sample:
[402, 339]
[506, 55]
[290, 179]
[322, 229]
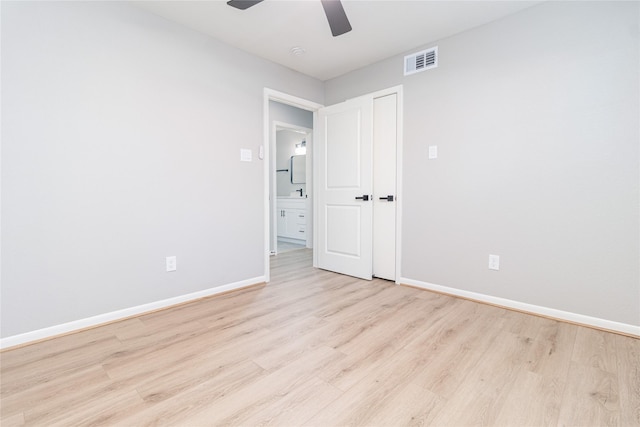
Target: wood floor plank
[167, 349]
[360, 403]
[591, 397]
[318, 348]
[524, 324]
[348, 371]
[64, 344]
[91, 405]
[236, 407]
[164, 406]
[553, 350]
[46, 392]
[411, 405]
[487, 383]
[56, 365]
[291, 408]
[280, 355]
[455, 347]
[534, 400]
[628, 357]
[595, 349]
[14, 420]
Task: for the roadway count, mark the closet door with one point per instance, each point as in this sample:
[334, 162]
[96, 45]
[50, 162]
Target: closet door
[385, 133]
[357, 187]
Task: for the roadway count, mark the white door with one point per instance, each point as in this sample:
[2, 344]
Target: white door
[385, 132]
[345, 207]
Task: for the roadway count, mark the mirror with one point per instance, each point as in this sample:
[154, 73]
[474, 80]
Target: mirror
[298, 169]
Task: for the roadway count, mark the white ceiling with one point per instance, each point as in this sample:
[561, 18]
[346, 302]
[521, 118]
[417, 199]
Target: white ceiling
[380, 28]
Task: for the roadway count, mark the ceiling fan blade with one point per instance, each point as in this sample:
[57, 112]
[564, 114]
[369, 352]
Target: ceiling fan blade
[243, 4]
[336, 16]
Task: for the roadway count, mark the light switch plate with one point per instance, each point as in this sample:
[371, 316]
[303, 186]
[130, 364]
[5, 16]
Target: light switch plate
[172, 263]
[245, 155]
[433, 152]
[494, 262]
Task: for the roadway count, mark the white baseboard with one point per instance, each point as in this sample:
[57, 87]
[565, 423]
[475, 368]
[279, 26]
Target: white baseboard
[100, 319]
[567, 316]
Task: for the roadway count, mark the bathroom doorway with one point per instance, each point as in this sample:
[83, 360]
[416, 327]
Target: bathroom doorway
[292, 227]
[282, 111]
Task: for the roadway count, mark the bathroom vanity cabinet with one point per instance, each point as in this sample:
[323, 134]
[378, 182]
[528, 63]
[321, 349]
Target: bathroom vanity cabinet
[291, 213]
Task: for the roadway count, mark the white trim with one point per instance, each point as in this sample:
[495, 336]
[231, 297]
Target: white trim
[529, 308]
[314, 206]
[294, 101]
[310, 225]
[399, 174]
[113, 316]
[266, 129]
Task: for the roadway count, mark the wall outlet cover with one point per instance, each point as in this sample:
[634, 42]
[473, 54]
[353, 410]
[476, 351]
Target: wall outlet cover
[494, 262]
[433, 152]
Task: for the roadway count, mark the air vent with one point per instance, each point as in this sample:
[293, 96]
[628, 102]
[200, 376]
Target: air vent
[421, 61]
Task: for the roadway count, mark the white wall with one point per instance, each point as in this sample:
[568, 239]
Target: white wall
[536, 118]
[121, 137]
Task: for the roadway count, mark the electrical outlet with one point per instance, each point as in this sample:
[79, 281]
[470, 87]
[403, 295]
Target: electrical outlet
[171, 263]
[494, 262]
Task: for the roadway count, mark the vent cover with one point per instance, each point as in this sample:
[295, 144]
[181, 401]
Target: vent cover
[421, 61]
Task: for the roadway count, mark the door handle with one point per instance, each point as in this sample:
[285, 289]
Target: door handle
[363, 198]
[388, 198]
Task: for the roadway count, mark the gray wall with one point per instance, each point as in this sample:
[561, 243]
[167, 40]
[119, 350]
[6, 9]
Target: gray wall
[121, 138]
[290, 115]
[536, 118]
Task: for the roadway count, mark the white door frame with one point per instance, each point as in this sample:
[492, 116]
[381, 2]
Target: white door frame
[294, 101]
[274, 95]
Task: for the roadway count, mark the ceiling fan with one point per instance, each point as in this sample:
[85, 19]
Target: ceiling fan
[336, 16]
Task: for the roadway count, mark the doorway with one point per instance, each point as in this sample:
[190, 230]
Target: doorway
[291, 178]
[285, 112]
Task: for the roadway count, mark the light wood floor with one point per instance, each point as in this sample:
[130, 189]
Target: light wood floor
[320, 349]
[288, 246]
